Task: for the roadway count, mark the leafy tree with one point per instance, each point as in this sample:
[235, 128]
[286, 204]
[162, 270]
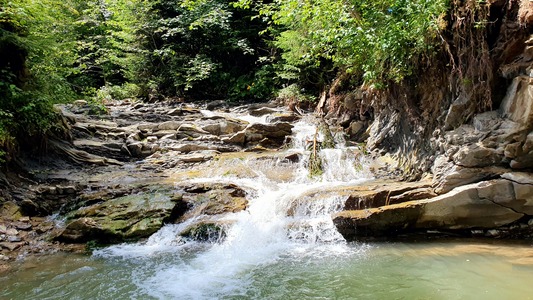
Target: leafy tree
[377, 41]
[107, 50]
[33, 70]
[205, 49]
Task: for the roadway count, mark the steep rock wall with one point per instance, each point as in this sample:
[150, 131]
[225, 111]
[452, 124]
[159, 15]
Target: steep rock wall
[468, 115]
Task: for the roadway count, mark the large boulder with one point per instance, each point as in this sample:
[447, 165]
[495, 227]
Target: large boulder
[521, 153]
[275, 132]
[477, 156]
[224, 126]
[125, 218]
[448, 175]
[486, 205]
[457, 113]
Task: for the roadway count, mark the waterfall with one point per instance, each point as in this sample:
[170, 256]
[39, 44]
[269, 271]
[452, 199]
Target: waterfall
[283, 218]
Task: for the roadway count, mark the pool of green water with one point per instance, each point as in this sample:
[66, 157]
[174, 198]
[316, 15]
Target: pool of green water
[399, 270]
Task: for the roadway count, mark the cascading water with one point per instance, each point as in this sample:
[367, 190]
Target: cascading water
[284, 218]
[283, 246]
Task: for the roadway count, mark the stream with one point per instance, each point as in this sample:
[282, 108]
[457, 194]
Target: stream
[283, 246]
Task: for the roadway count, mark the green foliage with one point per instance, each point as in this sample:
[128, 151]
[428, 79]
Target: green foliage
[205, 49]
[293, 93]
[379, 41]
[32, 70]
[53, 50]
[107, 49]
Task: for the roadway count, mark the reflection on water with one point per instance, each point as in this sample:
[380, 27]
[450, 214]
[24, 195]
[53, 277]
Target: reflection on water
[436, 270]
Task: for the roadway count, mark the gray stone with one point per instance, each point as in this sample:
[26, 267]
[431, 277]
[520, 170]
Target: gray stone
[175, 112]
[134, 137]
[352, 102]
[477, 156]
[487, 121]
[382, 128]
[128, 217]
[518, 104]
[519, 177]
[14, 239]
[259, 112]
[11, 246]
[162, 133]
[23, 226]
[513, 150]
[136, 149]
[232, 126]
[151, 139]
[463, 135]
[196, 157]
[356, 127]
[146, 127]
[12, 232]
[457, 113]
[186, 148]
[224, 126]
[276, 131]
[524, 161]
[238, 138]
[470, 206]
[450, 176]
[284, 117]
[215, 104]
[169, 125]
[167, 137]
[213, 128]
[189, 128]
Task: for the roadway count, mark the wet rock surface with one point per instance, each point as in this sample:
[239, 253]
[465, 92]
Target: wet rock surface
[116, 179]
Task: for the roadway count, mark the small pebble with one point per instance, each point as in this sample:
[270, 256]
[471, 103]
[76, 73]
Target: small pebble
[12, 231]
[13, 239]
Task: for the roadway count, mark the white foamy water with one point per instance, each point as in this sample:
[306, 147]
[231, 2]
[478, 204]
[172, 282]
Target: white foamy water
[282, 219]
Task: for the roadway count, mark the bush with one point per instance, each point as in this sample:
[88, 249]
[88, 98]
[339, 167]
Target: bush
[380, 41]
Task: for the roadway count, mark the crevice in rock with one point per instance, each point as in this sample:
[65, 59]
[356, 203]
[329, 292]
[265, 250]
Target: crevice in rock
[518, 182]
[507, 207]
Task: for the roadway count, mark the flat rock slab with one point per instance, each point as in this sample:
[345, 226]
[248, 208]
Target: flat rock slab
[11, 246]
[484, 205]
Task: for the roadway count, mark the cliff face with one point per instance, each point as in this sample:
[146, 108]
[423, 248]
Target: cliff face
[466, 120]
[468, 114]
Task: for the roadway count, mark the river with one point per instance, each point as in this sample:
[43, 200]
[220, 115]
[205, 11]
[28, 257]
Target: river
[283, 246]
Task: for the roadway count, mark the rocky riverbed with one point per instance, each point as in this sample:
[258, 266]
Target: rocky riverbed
[117, 178]
[124, 174]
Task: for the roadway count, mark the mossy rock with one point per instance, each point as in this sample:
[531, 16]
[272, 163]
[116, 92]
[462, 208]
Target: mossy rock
[124, 218]
[10, 211]
[205, 232]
